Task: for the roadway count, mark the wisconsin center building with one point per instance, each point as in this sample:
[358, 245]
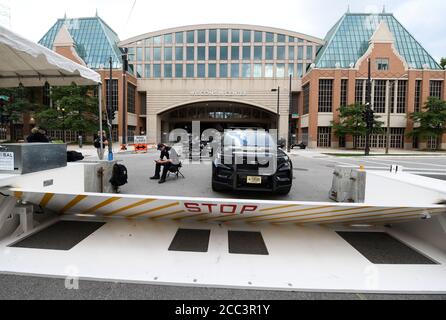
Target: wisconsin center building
[230, 75]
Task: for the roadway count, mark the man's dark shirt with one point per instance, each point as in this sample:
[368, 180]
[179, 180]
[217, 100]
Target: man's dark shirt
[36, 138]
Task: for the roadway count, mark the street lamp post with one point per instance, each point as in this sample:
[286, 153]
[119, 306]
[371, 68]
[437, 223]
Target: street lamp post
[63, 123]
[278, 112]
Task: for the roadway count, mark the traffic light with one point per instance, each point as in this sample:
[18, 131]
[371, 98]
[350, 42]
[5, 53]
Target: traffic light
[369, 117]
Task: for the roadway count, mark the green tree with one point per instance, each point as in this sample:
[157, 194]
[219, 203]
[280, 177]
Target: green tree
[15, 103]
[443, 62]
[75, 109]
[432, 120]
[352, 123]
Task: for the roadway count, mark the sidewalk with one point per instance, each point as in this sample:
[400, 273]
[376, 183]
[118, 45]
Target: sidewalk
[89, 151]
[374, 152]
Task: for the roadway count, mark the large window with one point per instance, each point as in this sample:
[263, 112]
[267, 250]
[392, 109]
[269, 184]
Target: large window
[201, 70]
[235, 70]
[280, 70]
[235, 36]
[269, 70]
[191, 37]
[190, 53]
[306, 98]
[212, 70]
[167, 53]
[418, 85]
[223, 70]
[131, 98]
[382, 64]
[213, 36]
[300, 52]
[201, 36]
[139, 54]
[258, 37]
[235, 52]
[224, 36]
[201, 53]
[258, 55]
[291, 70]
[401, 105]
[325, 95]
[178, 71]
[246, 52]
[157, 54]
[167, 71]
[147, 71]
[246, 70]
[309, 53]
[344, 92]
[269, 37]
[300, 70]
[212, 54]
[179, 37]
[324, 137]
[190, 70]
[269, 53]
[359, 91]
[139, 71]
[224, 53]
[247, 36]
[114, 97]
[257, 70]
[436, 88]
[179, 53]
[168, 39]
[379, 105]
[291, 53]
[157, 70]
[281, 53]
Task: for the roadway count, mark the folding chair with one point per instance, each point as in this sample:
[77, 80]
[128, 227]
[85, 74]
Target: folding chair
[176, 170]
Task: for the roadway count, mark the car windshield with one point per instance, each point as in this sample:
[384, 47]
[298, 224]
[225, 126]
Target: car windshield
[249, 138]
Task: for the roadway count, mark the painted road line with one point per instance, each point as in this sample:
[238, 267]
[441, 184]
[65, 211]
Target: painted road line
[167, 215]
[72, 203]
[170, 205]
[18, 195]
[311, 214]
[46, 199]
[281, 207]
[335, 217]
[131, 206]
[101, 205]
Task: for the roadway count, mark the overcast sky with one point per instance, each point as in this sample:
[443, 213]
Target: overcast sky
[425, 19]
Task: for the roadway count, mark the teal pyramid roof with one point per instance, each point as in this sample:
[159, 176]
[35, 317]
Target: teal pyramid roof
[349, 38]
[95, 41]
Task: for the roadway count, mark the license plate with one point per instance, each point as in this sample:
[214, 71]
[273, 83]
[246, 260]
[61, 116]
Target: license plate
[254, 180]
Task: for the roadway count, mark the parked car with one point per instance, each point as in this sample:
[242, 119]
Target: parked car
[246, 174]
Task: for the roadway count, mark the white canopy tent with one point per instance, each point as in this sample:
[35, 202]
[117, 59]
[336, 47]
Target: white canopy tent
[30, 64]
[23, 61]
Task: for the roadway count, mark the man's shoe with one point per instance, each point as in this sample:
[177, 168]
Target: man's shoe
[162, 181]
[155, 178]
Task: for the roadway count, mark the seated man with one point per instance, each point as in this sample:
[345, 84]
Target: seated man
[171, 160]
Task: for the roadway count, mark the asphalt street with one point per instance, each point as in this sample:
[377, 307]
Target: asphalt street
[313, 174]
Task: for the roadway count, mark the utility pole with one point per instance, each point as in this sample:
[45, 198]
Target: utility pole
[278, 113]
[124, 99]
[290, 121]
[369, 114]
[110, 111]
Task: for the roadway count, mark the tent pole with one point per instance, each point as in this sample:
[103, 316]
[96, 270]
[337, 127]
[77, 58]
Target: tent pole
[100, 121]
